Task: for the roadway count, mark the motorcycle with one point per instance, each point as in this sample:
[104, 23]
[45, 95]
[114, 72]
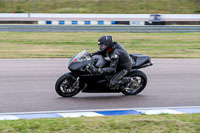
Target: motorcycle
[82, 78]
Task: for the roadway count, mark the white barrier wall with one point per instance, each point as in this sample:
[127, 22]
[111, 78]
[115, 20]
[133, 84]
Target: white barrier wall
[80, 23]
[107, 22]
[68, 22]
[135, 23]
[55, 22]
[93, 19]
[94, 23]
[14, 15]
[97, 16]
[41, 22]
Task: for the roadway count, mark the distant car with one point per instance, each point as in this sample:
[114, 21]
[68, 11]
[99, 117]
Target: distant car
[155, 19]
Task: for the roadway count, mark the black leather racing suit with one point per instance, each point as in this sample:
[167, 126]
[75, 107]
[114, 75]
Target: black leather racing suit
[120, 63]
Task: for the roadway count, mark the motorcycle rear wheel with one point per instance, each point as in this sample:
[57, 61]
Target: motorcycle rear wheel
[64, 85]
[137, 84]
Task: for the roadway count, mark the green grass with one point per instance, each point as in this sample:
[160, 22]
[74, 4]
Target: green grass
[63, 45]
[118, 124]
[100, 6]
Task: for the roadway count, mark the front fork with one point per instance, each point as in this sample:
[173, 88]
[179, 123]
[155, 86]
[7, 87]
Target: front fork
[76, 84]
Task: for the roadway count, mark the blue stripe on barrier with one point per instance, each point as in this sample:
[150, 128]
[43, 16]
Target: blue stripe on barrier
[189, 111]
[36, 116]
[101, 22]
[113, 22]
[120, 112]
[61, 22]
[87, 22]
[74, 22]
[48, 22]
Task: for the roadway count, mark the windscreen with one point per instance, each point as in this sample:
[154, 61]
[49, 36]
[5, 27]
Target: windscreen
[82, 56]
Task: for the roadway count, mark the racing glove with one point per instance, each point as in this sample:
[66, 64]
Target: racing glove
[96, 70]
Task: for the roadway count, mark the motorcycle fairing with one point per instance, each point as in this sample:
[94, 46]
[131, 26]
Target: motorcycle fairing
[96, 84]
[101, 62]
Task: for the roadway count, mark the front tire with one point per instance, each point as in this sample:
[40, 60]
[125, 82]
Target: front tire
[67, 86]
[137, 83]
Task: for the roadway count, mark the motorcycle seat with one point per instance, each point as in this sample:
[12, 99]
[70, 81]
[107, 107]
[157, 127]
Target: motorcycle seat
[139, 60]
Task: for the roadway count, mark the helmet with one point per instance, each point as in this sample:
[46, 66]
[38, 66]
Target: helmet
[105, 42]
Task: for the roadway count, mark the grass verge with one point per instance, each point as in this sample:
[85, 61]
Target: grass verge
[100, 6]
[62, 45]
[130, 123]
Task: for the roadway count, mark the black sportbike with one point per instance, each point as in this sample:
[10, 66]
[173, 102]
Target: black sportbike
[82, 78]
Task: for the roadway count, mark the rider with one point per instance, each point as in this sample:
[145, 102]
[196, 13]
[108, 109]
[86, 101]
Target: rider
[120, 61]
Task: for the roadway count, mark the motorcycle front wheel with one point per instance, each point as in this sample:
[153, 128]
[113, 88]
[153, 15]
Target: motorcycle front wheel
[137, 82]
[67, 85]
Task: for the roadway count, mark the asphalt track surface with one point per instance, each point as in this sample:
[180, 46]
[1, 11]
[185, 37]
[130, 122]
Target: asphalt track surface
[27, 85]
[64, 28]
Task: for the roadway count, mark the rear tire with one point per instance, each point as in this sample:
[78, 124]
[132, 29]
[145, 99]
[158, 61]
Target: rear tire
[138, 83]
[64, 84]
